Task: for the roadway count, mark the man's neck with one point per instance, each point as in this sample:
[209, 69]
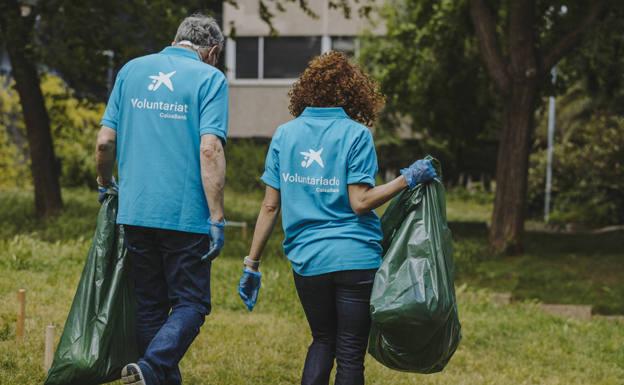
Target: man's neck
[188, 48]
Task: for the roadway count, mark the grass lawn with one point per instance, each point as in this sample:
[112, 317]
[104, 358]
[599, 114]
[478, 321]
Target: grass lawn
[515, 344]
[579, 268]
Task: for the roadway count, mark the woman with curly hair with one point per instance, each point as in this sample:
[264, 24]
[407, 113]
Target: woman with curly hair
[320, 171]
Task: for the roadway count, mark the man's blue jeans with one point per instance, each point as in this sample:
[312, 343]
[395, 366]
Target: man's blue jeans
[172, 287]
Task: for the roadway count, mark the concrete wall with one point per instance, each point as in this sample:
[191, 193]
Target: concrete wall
[258, 107]
[294, 22]
[257, 110]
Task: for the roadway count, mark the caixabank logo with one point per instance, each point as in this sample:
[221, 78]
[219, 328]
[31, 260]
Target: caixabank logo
[312, 156]
[166, 110]
[323, 184]
[161, 79]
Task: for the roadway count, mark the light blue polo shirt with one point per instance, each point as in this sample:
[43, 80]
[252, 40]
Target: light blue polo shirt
[160, 106]
[311, 161]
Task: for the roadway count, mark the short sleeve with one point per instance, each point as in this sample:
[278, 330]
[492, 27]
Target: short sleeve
[362, 160]
[111, 114]
[213, 110]
[271, 164]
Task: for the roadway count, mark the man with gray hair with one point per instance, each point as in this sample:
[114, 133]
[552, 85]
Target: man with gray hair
[166, 124]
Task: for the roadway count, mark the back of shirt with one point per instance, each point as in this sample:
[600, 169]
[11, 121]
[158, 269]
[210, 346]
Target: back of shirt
[312, 160]
[160, 106]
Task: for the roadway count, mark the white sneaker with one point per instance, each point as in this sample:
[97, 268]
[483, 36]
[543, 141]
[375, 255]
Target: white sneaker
[131, 374]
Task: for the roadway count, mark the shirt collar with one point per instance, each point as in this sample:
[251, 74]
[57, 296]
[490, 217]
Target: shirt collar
[324, 112]
[179, 51]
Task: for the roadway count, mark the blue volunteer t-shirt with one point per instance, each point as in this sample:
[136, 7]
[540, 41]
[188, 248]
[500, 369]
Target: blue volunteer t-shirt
[160, 106]
[312, 160]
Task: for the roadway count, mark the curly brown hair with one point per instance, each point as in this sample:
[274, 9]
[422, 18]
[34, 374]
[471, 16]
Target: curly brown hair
[331, 80]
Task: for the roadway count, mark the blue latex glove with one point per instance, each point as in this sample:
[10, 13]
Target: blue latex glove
[103, 191]
[249, 286]
[421, 171]
[217, 239]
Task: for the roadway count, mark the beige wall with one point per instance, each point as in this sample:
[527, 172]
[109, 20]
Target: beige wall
[258, 107]
[257, 110]
[294, 22]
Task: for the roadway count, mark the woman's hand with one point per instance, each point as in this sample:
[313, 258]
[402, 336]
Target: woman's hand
[249, 287]
[364, 198]
[421, 171]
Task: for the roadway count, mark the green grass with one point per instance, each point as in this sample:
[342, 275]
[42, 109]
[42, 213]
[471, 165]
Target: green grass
[463, 206]
[570, 269]
[579, 268]
[515, 344]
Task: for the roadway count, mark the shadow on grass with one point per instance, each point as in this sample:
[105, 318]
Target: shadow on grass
[546, 244]
[555, 267]
[469, 230]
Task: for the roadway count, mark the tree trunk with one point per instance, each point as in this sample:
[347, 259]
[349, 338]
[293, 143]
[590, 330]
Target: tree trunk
[516, 78]
[507, 228]
[18, 33]
[44, 167]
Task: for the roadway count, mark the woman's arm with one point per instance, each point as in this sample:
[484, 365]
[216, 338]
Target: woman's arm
[364, 198]
[265, 223]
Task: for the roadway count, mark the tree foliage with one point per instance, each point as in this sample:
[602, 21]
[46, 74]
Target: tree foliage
[588, 174]
[518, 43]
[597, 66]
[74, 123]
[589, 148]
[73, 36]
[14, 160]
[429, 68]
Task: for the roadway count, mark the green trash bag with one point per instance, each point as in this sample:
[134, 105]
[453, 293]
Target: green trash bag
[415, 324]
[99, 334]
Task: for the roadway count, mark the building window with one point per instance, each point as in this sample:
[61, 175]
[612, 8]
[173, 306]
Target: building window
[345, 44]
[284, 57]
[287, 57]
[247, 58]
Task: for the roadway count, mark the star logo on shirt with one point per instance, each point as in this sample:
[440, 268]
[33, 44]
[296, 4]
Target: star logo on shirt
[312, 156]
[160, 79]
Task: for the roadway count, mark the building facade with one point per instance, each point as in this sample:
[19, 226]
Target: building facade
[261, 68]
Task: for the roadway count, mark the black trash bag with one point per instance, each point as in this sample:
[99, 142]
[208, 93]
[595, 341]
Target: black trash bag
[99, 334]
[415, 324]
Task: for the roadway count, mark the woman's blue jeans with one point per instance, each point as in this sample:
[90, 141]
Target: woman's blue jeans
[172, 287]
[337, 308]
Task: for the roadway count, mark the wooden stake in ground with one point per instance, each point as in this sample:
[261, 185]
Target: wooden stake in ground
[21, 314]
[244, 230]
[242, 225]
[48, 355]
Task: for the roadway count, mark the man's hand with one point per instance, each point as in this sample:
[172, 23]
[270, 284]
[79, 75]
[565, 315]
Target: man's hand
[105, 156]
[217, 240]
[106, 188]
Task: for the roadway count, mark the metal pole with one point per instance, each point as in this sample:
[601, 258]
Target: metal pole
[549, 154]
[110, 74]
[110, 54]
[325, 39]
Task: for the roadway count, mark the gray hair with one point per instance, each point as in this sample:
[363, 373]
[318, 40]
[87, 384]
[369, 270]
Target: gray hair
[203, 31]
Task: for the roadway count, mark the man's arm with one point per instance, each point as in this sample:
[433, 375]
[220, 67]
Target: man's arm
[212, 160]
[105, 155]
